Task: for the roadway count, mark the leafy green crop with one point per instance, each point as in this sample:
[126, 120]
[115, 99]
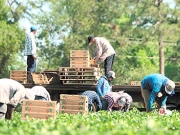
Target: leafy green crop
[99, 123]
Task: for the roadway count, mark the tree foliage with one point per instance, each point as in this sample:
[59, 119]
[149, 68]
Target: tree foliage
[134, 28]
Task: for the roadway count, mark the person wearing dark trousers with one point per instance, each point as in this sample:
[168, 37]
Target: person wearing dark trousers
[30, 50]
[104, 52]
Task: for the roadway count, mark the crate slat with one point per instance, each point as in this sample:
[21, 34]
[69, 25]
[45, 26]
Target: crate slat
[73, 111]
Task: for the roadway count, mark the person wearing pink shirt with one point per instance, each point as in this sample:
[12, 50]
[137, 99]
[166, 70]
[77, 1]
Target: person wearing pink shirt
[119, 101]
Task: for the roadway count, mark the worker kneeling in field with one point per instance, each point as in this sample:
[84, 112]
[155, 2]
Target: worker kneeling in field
[93, 99]
[39, 92]
[119, 101]
[104, 84]
[11, 92]
[156, 87]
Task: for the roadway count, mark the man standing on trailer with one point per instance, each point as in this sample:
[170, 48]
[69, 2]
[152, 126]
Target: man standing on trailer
[104, 52]
[30, 50]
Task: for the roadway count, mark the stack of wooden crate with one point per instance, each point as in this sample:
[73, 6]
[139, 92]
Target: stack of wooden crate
[81, 70]
[38, 109]
[73, 104]
[79, 58]
[19, 75]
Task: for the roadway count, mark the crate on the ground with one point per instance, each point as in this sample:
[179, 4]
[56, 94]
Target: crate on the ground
[19, 75]
[73, 104]
[135, 83]
[87, 75]
[38, 109]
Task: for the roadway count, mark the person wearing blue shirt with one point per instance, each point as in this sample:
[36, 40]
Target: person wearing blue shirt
[156, 87]
[93, 98]
[104, 86]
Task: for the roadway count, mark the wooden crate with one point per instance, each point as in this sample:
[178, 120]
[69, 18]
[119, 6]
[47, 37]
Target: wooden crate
[79, 65]
[19, 75]
[79, 53]
[38, 109]
[135, 83]
[39, 78]
[73, 104]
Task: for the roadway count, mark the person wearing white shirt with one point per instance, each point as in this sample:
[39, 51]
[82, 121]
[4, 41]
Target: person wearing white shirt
[30, 49]
[11, 92]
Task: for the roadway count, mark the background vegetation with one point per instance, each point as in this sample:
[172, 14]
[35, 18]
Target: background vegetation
[144, 33]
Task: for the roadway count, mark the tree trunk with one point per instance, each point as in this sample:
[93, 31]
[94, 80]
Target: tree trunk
[161, 54]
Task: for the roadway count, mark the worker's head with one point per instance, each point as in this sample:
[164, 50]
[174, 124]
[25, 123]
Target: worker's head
[170, 85]
[122, 101]
[90, 39]
[111, 75]
[33, 29]
[29, 94]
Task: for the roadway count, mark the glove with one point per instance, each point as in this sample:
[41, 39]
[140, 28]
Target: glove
[162, 110]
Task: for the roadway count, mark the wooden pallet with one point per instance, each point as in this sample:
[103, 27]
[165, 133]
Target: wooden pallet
[19, 75]
[70, 75]
[38, 109]
[73, 104]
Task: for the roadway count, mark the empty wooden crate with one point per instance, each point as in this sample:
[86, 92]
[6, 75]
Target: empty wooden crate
[38, 109]
[73, 104]
[19, 75]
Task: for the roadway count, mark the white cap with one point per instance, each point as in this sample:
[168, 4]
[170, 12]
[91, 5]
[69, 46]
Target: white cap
[170, 85]
[111, 74]
[29, 94]
[122, 101]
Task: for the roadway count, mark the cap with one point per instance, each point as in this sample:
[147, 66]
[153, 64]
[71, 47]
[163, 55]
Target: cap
[33, 28]
[89, 39]
[122, 101]
[170, 85]
[111, 74]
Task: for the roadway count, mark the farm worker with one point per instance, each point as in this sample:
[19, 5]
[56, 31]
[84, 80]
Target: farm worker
[156, 87]
[41, 93]
[119, 101]
[104, 84]
[93, 98]
[104, 52]
[30, 49]
[11, 92]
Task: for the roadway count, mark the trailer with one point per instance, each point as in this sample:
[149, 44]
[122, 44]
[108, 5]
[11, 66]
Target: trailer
[57, 82]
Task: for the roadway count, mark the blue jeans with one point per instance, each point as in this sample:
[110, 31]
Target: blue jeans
[31, 64]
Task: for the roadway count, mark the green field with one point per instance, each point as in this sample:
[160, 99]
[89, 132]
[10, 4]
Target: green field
[100, 123]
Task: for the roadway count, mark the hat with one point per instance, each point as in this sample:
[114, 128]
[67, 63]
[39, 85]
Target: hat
[111, 74]
[33, 28]
[89, 39]
[122, 101]
[170, 85]
[29, 94]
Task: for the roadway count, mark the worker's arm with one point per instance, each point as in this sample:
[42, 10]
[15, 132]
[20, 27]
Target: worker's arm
[99, 87]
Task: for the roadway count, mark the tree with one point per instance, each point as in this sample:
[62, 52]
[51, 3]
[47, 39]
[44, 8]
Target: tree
[10, 41]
